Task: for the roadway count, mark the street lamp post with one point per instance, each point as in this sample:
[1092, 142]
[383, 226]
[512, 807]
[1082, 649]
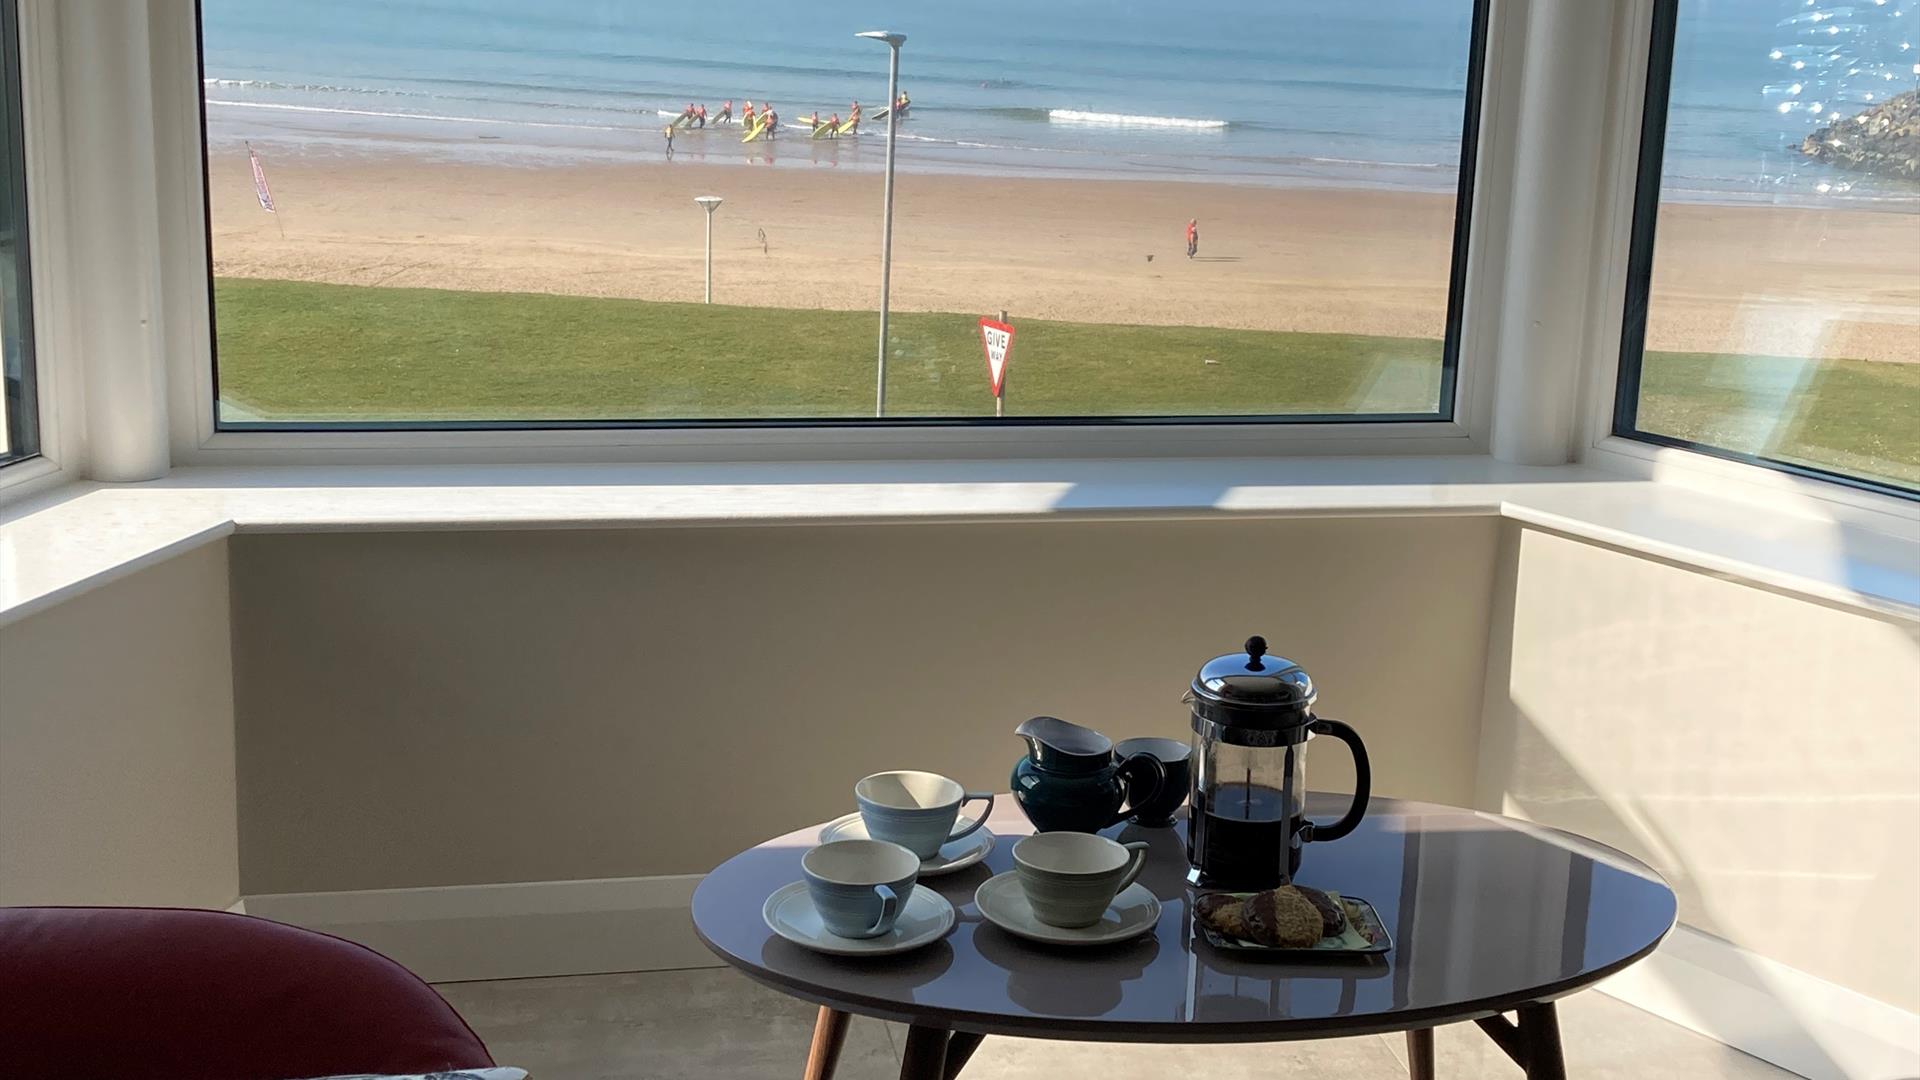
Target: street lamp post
[894, 41]
[709, 203]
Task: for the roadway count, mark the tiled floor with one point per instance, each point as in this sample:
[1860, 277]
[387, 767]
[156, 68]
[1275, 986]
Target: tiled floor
[713, 1024]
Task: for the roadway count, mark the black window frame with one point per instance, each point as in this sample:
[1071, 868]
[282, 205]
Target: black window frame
[1445, 411]
[21, 386]
[1646, 212]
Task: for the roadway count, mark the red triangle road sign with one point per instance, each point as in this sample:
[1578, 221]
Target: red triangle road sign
[997, 339]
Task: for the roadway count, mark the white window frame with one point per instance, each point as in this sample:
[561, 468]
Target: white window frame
[57, 384]
[195, 440]
[1598, 445]
[171, 165]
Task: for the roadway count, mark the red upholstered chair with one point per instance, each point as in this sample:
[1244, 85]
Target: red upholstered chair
[172, 994]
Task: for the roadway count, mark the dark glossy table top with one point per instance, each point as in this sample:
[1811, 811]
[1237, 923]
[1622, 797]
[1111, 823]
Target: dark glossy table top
[1486, 913]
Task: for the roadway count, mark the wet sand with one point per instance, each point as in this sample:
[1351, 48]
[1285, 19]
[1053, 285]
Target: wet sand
[1731, 279]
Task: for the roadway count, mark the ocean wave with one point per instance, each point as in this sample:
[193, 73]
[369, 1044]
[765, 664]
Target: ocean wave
[874, 133]
[1807, 197]
[315, 88]
[435, 117]
[634, 100]
[967, 144]
[1076, 116]
[1379, 164]
[1004, 112]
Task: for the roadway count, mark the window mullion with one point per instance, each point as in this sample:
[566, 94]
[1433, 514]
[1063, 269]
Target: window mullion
[1551, 252]
[113, 274]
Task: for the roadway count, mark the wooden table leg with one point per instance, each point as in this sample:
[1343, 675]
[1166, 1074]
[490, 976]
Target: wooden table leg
[925, 1057]
[829, 1035]
[960, 1048]
[1533, 1043]
[1540, 1032]
[1420, 1054]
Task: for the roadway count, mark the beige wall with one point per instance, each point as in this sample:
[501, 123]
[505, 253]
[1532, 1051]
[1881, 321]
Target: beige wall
[444, 708]
[449, 708]
[116, 744]
[1761, 751]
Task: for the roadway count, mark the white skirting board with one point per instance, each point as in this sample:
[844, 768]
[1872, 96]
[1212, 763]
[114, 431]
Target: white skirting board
[1778, 1014]
[518, 930]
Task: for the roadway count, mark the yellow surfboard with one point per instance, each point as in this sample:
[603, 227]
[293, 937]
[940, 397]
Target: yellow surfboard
[850, 125]
[758, 129]
[822, 130]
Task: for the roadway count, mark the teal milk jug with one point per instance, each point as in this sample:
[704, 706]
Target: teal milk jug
[1070, 781]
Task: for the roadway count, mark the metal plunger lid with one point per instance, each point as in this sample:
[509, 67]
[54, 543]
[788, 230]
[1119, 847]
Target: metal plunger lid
[1253, 690]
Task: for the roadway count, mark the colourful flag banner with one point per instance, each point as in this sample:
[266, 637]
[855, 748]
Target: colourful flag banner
[260, 188]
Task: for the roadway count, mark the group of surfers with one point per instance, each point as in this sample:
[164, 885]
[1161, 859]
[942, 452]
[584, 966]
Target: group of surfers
[764, 120]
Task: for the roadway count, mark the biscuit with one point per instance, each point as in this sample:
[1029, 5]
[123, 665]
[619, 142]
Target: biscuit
[1332, 920]
[1209, 905]
[1283, 918]
[1225, 913]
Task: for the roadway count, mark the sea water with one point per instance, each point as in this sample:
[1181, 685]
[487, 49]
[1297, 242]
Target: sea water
[1276, 92]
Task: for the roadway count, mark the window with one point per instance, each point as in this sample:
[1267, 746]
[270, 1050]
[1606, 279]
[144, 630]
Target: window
[20, 411]
[1775, 315]
[481, 213]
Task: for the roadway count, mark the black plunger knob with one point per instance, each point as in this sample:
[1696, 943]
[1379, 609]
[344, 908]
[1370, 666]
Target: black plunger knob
[1256, 648]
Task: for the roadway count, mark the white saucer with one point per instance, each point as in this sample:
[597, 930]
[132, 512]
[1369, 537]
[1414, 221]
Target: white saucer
[1004, 903]
[925, 920]
[955, 855]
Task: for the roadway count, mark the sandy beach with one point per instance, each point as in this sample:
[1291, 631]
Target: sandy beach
[1840, 283]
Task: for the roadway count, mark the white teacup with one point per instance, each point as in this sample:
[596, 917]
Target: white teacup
[859, 886]
[1071, 877]
[916, 809]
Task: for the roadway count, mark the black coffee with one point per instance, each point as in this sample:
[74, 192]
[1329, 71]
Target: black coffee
[1240, 835]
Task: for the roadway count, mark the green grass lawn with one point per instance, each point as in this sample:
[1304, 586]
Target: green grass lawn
[306, 351]
[299, 350]
[1851, 416]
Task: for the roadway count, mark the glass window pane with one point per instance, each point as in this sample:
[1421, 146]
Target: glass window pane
[480, 211]
[19, 412]
[1782, 317]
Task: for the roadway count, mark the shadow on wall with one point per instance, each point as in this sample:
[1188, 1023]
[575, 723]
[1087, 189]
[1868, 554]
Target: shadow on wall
[1565, 798]
[1757, 749]
[422, 709]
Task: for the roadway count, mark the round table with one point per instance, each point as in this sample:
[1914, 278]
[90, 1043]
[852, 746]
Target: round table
[1489, 915]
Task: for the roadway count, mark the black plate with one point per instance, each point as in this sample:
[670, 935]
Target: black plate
[1362, 921]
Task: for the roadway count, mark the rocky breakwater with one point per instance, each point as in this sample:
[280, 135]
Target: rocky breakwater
[1883, 140]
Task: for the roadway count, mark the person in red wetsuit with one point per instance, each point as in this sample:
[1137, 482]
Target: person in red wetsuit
[725, 115]
[1193, 237]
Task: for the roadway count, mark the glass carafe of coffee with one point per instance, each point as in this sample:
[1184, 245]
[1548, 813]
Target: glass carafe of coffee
[1252, 717]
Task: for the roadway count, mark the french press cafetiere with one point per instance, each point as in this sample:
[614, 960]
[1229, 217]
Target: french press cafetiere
[1252, 717]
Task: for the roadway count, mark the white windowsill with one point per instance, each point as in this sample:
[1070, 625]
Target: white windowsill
[82, 535]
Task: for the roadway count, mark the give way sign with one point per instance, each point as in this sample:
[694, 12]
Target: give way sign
[997, 337]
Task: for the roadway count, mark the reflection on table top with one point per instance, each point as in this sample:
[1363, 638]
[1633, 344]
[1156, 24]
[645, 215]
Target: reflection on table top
[1486, 913]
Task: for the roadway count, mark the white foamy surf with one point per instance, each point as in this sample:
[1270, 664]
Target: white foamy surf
[1076, 116]
[435, 117]
[329, 88]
